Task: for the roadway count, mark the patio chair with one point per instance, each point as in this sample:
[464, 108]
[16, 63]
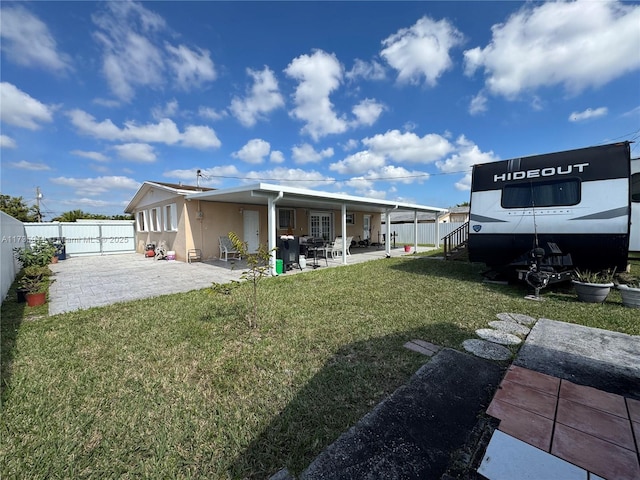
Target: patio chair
[333, 248]
[227, 248]
[194, 255]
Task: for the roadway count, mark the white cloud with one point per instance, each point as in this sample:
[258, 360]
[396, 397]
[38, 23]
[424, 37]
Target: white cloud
[478, 104]
[318, 75]
[358, 163]
[367, 112]
[253, 152]
[574, 44]
[409, 147]
[211, 114]
[632, 112]
[20, 109]
[392, 173]
[165, 131]
[192, 68]
[588, 114]
[305, 153]
[137, 152]
[263, 98]
[97, 185]
[276, 156]
[467, 154]
[290, 176]
[350, 144]
[366, 70]
[422, 51]
[365, 188]
[7, 142]
[209, 176]
[169, 109]
[130, 59]
[200, 137]
[27, 41]
[97, 156]
[134, 55]
[24, 165]
[89, 202]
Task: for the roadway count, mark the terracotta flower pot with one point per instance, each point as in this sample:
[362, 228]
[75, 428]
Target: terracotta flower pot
[35, 299]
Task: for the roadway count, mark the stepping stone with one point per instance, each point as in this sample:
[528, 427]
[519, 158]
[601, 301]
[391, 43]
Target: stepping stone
[423, 347]
[510, 327]
[488, 350]
[496, 336]
[516, 317]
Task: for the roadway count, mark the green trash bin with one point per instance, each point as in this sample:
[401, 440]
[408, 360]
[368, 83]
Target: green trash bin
[279, 266]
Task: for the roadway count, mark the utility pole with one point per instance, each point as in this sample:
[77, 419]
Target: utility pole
[38, 197]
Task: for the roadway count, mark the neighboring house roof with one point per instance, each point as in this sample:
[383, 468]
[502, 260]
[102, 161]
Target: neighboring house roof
[407, 217]
[174, 188]
[459, 209]
[285, 196]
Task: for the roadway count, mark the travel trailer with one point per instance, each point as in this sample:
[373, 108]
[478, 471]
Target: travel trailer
[634, 238]
[561, 211]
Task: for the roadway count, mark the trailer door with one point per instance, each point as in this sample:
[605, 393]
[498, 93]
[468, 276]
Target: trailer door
[634, 237]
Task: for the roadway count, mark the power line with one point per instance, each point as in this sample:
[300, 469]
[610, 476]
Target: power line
[332, 180]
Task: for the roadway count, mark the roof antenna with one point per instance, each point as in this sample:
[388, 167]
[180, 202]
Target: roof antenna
[198, 175]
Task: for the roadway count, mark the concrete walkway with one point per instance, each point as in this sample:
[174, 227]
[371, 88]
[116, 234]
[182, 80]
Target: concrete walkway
[94, 281]
[427, 428]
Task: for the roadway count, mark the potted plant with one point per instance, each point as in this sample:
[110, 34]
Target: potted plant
[33, 283]
[593, 287]
[40, 253]
[630, 293]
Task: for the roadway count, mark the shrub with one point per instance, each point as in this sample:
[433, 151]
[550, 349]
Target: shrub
[39, 253]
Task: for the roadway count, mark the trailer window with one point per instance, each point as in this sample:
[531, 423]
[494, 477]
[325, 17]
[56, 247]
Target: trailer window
[635, 187]
[542, 194]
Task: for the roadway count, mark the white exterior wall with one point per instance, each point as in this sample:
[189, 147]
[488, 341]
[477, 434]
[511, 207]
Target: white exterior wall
[13, 236]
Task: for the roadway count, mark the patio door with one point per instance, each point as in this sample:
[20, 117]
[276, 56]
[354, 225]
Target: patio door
[320, 225]
[366, 227]
[251, 228]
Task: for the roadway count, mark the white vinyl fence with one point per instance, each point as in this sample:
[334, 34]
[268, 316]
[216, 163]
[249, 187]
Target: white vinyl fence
[88, 237]
[13, 236]
[426, 232]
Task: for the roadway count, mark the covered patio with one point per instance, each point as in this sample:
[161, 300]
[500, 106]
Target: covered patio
[278, 196]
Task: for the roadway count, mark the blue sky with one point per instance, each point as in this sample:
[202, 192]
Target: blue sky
[388, 100]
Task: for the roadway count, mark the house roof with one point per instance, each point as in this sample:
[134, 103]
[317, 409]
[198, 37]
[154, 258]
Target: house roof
[174, 188]
[259, 194]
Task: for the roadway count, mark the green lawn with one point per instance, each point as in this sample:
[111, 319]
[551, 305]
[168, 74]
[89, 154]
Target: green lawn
[180, 387]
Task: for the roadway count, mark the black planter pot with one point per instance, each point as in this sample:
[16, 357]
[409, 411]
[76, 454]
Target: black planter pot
[21, 295]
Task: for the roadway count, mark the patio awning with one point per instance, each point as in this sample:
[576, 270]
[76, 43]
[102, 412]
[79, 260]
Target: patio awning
[284, 196]
[258, 194]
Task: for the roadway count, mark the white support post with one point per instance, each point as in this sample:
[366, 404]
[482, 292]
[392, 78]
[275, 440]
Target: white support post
[437, 230]
[344, 233]
[415, 232]
[387, 246]
[271, 227]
